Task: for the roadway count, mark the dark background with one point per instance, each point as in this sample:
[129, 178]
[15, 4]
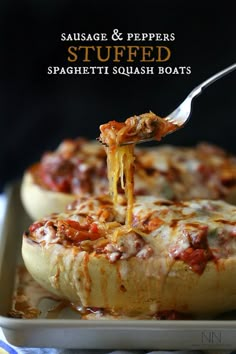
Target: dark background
[40, 110]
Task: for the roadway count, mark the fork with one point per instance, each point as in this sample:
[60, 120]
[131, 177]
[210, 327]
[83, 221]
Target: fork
[182, 113]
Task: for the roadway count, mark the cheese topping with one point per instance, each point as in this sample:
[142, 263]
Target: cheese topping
[161, 228]
[177, 173]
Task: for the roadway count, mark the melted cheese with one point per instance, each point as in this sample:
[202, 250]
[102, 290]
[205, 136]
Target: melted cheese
[120, 166]
[120, 139]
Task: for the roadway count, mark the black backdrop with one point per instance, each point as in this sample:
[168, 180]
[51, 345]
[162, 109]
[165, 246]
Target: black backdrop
[39, 110]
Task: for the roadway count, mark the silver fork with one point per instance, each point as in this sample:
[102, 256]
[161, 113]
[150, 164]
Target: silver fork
[182, 113]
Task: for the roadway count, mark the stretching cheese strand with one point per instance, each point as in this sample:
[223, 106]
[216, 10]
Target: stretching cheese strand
[120, 167]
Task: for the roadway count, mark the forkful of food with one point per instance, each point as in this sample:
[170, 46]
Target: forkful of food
[149, 126]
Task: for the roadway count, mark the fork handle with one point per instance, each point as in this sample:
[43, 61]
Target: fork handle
[197, 90]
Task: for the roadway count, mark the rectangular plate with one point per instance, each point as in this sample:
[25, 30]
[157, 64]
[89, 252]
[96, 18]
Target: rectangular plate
[94, 334]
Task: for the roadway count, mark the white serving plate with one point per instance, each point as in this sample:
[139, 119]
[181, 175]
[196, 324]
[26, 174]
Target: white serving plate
[94, 334]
